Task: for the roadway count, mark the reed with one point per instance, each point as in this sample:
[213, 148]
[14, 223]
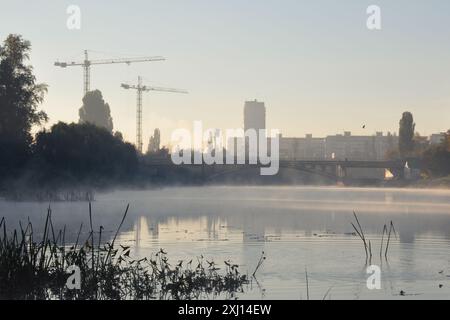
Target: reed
[33, 268]
[391, 228]
[260, 263]
[361, 235]
[307, 283]
[368, 244]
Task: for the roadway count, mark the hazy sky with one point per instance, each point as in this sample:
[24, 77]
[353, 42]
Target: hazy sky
[315, 63]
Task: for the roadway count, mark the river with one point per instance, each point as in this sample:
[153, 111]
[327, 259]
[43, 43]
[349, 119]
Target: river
[298, 228]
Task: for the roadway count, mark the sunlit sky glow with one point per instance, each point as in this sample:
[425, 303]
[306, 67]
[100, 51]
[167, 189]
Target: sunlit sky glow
[314, 63]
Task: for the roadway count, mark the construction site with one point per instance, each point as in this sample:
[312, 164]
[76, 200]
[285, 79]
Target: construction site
[140, 88]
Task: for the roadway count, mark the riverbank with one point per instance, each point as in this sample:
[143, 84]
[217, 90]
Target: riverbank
[439, 183]
[86, 193]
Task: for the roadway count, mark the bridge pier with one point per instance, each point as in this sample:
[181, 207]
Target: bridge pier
[341, 172]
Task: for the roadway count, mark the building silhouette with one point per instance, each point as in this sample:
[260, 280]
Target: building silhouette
[154, 144]
[307, 148]
[254, 120]
[332, 147]
[437, 138]
[351, 147]
[254, 115]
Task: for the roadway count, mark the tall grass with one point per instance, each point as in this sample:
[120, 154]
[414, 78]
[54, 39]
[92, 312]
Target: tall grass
[33, 268]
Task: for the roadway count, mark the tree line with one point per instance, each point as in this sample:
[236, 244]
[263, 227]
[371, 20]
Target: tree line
[84, 152]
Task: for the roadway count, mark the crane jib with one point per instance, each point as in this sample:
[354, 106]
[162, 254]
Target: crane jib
[86, 64]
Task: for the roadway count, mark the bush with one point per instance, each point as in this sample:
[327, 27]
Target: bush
[84, 153]
[436, 161]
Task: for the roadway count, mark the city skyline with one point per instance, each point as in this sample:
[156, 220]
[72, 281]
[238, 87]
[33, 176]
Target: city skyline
[324, 72]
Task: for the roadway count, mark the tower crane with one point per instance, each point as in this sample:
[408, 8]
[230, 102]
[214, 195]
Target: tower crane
[86, 64]
[140, 89]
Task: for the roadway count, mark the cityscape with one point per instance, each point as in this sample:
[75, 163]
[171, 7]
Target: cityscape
[364, 149]
[339, 146]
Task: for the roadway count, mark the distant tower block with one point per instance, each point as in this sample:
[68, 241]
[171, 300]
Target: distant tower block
[254, 115]
[254, 119]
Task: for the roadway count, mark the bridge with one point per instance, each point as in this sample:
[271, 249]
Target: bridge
[334, 170]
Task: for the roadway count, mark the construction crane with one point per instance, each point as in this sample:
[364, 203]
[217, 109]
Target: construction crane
[86, 64]
[142, 88]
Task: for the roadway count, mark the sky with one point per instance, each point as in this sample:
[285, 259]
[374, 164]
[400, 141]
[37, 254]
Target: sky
[315, 64]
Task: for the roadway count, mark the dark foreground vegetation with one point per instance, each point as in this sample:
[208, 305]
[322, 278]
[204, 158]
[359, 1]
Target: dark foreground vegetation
[64, 155]
[38, 268]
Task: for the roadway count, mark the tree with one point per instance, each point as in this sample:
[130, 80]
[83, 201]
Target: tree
[406, 134]
[96, 111]
[20, 96]
[118, 135]
[436, 159]
[84, 153]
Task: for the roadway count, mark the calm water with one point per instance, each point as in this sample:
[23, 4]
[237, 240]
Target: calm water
[297, 228]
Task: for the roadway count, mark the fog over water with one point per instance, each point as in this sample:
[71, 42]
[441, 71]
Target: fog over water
[297, 228]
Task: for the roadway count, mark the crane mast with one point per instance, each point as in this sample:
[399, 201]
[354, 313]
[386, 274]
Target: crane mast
[86, 74]
[86, 64]
[140, 89]
[139, 143]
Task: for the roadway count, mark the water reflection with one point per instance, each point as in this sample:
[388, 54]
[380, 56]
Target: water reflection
[296, 227]
[283, 225]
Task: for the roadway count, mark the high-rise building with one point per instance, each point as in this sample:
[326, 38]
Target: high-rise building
[254, 115]
[254, 119]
